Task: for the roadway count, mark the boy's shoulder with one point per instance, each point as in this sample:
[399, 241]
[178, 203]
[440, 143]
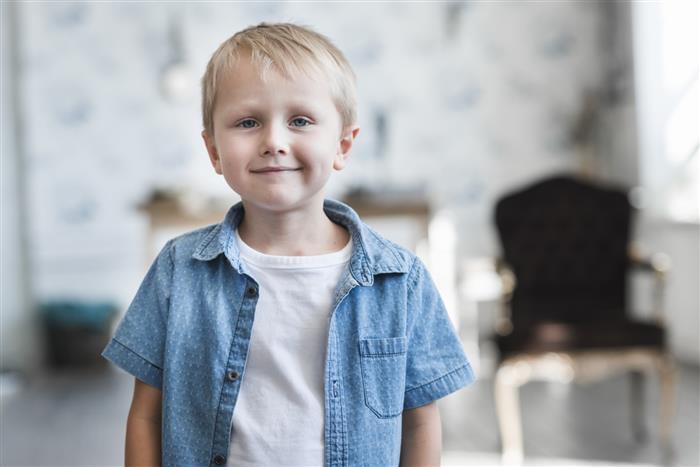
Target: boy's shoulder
[384, 249]
[185, 245]
[381, 254]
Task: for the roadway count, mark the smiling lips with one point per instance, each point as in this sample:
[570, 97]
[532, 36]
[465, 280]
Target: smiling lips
[266, 170]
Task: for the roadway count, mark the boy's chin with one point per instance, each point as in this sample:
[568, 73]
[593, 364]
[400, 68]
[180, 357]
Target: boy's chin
[281, 205]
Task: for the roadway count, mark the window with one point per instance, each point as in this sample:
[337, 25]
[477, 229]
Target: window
[666, 80]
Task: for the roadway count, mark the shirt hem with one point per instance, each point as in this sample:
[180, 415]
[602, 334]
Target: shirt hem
[439, 388]
[132, 363]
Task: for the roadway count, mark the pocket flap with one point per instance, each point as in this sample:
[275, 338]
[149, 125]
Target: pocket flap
[383, 346]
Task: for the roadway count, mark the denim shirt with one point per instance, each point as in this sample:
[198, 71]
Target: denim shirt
[391, 346]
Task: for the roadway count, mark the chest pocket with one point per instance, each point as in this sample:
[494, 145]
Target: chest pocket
[383, 365]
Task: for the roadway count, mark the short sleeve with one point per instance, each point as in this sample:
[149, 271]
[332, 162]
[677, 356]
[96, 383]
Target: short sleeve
[436, 363]
[139, 340]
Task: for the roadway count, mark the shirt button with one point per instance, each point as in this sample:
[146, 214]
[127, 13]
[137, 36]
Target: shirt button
[219, 459]
[251, 292]
[232, 375]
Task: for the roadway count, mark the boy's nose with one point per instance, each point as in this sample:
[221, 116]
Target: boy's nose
[275, 141]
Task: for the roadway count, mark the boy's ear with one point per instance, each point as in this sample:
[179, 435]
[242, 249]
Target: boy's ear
[213, 153]
[344, 146]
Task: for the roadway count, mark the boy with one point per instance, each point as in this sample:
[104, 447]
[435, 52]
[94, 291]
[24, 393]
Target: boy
[291, 333]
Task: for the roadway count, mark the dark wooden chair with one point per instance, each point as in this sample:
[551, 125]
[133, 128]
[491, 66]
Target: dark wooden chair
[565, 264]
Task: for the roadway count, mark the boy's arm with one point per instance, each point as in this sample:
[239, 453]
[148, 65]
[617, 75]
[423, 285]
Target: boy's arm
[421, 436]
[143, 427]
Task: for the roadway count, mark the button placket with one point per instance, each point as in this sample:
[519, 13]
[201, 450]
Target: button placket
[233, 369]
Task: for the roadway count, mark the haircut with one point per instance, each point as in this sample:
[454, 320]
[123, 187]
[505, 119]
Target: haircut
[289, 49]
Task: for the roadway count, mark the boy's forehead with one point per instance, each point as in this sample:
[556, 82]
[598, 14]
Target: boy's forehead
[264, 70]
[250, 82]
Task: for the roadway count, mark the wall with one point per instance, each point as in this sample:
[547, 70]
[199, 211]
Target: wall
[681, 242]
[469, 107]
[19, 341]
[665, 67]
[468, 100]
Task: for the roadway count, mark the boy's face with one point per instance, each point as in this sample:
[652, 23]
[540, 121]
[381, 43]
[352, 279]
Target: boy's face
[276, 140]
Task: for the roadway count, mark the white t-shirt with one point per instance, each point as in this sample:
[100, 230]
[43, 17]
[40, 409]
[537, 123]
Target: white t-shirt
[279, 417]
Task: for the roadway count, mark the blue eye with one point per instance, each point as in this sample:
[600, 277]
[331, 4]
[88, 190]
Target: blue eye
[247, 123]
[300, 122]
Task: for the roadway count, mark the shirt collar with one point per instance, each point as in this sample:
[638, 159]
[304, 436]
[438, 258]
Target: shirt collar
[372, 254]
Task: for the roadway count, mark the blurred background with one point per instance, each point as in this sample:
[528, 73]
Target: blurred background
[461, 104]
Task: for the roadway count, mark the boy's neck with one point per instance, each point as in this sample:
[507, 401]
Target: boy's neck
[293, 233]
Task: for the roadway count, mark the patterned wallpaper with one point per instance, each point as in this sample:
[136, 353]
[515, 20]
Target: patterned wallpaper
[464, 99]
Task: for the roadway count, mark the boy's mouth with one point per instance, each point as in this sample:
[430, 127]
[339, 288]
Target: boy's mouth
[275, 169]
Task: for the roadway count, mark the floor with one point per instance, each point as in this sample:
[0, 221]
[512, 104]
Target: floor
[77, 417]
[572, 424]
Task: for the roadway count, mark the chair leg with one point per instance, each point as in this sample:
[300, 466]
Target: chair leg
[637, 406]
[667, 376]
[508, 412]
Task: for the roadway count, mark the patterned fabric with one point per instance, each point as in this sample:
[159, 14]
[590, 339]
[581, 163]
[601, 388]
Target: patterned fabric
[566, 241]
[391, 345]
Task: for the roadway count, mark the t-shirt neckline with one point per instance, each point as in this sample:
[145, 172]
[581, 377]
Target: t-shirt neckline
[257, 258]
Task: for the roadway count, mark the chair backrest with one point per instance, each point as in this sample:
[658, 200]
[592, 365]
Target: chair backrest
[567, 242]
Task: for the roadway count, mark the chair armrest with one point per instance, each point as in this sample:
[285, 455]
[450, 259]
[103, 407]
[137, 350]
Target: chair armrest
[660, 265]
[504, 324]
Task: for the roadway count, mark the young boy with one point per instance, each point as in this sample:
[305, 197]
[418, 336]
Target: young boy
[291, 333]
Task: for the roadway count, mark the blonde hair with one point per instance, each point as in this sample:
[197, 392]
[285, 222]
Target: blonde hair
[290, 49]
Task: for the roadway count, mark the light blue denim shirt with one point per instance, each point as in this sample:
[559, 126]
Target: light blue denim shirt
[391, 345]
